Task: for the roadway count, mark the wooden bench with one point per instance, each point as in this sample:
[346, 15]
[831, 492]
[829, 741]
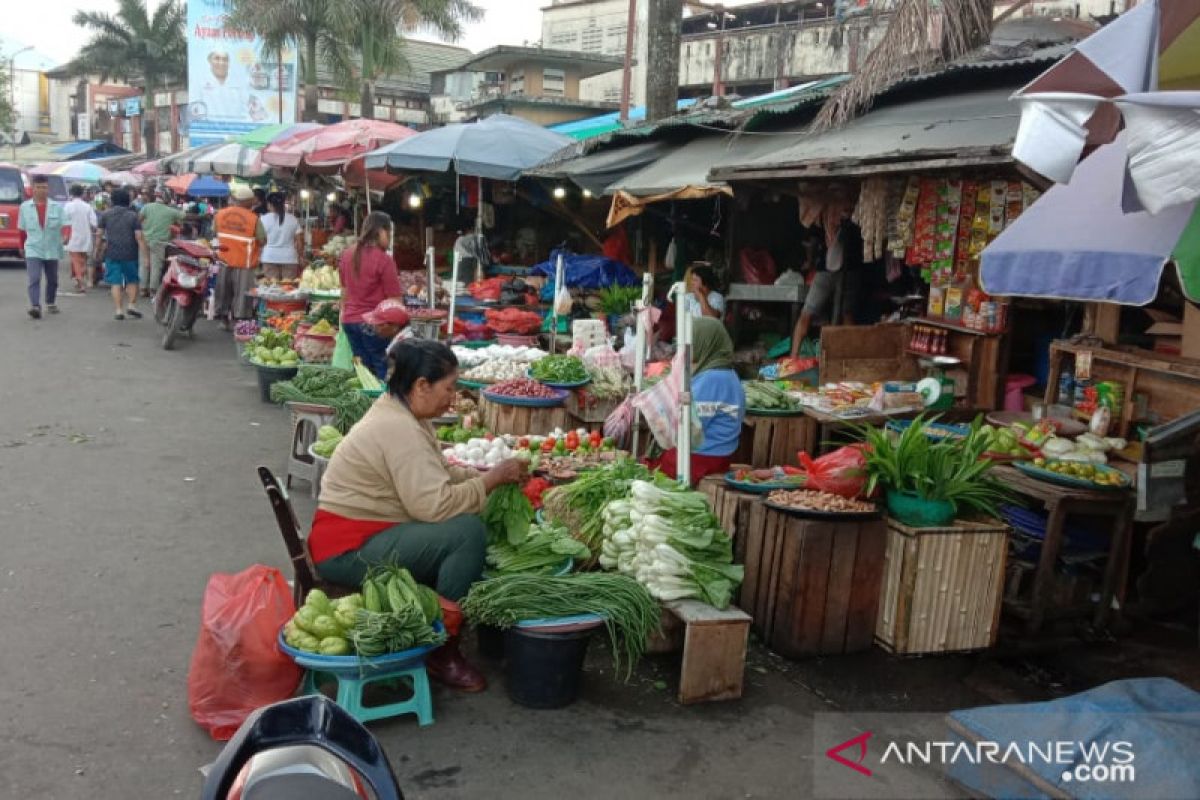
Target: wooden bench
[714, 649]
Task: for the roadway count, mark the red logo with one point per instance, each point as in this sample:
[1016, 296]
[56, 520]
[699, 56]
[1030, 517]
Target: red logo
[860, 742]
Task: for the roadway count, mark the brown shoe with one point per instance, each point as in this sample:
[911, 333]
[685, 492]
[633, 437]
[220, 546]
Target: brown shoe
[449, 667]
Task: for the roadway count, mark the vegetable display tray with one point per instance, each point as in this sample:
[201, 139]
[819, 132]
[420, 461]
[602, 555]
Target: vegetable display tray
[322, 460]
[578, 622]
[761, 487]
[812, 513]
[1062, 427]
[316, 661]
[556, 384]
[463, 383]
[562, 569]
[326, 296]
[1034, 471]
[935, 431]
[529, 402]
[775, 412]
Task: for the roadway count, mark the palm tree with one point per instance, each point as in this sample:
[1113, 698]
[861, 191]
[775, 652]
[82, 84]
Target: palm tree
[381, 45]
[312, 25]
[148, 51]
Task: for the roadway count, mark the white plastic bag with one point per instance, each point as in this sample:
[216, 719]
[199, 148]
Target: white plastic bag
[563, 302]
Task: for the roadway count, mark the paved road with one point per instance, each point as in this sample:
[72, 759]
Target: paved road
[127, 477]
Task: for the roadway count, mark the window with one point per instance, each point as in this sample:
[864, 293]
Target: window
[516, 82]
[554, 82]
[593, 40]
[566, 40]
[612, 94]
[816, 37]
[11, 188]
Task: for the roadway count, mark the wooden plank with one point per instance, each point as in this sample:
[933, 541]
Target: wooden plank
[695, 612]
[803, 635]
[893, 562]
[868, 577]
[772, 564]
[714, 659]
[840, 590]
[908, 591]
[1043, 579]
[751, 559]
[793, 543]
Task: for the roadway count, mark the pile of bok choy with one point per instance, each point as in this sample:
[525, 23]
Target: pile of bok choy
[667, 538]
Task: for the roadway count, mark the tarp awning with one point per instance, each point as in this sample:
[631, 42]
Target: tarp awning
[688, 166]
[596, 172]
[969, 128]
[1077, 242]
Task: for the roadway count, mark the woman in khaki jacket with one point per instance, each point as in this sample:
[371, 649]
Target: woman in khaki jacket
[389, 497]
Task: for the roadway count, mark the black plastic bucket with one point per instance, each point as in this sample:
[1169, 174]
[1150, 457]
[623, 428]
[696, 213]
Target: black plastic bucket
[269, 376]
[544, 670]
[490, 641]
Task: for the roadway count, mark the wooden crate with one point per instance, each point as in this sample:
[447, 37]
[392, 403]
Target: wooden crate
[733, 509]
[776, 441]
[942, 587]
[521, 421]
[812, 586]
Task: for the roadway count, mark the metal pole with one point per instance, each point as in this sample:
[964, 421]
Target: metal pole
[279, 81]
[453, 292]
[683, 341]
[639, 357]
[627, 74]
[718, 90]
[431, 274]
[558, 285]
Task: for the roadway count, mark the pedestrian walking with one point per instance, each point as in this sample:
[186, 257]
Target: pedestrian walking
[285, 240]
[123, 242]
[157, 218]
[240, 237]
[41, 222]
[369, 277]
[81, 217]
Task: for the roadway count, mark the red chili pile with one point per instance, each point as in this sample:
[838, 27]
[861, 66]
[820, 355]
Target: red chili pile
[513, 320]
[523, 387]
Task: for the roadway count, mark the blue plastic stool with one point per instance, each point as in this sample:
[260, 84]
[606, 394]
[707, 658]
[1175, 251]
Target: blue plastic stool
[353, 674]
[351, 685]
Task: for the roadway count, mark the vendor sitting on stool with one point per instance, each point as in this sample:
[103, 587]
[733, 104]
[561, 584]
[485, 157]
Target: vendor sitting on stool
[388, 497]
[718, 399]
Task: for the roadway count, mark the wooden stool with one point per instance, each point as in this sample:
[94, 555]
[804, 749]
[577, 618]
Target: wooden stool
[714, 650]
[307, 418]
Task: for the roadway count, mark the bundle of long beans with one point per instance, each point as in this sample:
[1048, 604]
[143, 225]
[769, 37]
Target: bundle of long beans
[630, 613]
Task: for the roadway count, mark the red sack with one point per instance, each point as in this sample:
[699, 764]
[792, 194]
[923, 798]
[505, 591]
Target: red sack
[237, 665]
[844, 471]
[758, 266]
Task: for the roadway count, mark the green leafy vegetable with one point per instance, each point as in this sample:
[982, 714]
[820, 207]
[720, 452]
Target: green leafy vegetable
[507, 515]
[545, 550]
[559, 369]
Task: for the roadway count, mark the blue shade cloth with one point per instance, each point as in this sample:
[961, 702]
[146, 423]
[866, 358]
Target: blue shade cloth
[1077, 243]
[1157, 716]
[586, 272]
[208, 186]
[499, 147]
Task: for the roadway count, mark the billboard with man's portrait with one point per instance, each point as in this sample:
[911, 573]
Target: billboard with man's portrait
[233, 86]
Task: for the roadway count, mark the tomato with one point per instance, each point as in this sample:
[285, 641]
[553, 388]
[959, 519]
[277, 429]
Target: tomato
[572, 440]
[548, 445]
[596, 440]
[523, 443]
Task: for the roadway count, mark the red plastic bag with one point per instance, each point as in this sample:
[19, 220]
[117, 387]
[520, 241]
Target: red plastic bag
[758, 266]
[237, 665]
[844, 471]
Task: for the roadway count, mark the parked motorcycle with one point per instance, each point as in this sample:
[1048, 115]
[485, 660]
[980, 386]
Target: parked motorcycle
[306, 747]
[184, 287]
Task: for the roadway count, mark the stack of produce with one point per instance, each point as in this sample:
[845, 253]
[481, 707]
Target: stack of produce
[337, 388]
[479, 453]
[322, 625]
[272, 348]
[329, 312]
[526, 389]
[768, 397]
[667, 538]
[495, 371]
[507, 515]
[245, 329]
[559, 369]
[328, 438]
[397, 613]
[544, 550]
[336, 245]
[513, 320]
[322, 278]
[317, 344]
[629, 612]
[472, 357]
[580, 504]
[458, 434]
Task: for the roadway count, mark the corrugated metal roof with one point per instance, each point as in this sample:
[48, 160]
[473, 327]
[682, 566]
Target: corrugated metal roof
[690, 164]
[982, 123]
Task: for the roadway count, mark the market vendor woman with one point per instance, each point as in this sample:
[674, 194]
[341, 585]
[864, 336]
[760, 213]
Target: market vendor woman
[388, 496]
[718, 399]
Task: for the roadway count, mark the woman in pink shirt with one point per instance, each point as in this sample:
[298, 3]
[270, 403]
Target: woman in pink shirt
[369, 277]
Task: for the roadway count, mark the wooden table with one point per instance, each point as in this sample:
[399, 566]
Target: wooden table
[829, 425]
[1060, 502]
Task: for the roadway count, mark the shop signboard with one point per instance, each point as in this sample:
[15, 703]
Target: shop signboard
[233, 85]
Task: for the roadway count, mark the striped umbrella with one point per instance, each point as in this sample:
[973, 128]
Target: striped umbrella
[228, 158]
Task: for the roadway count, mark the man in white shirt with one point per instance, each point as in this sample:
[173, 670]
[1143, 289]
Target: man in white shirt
[81, 218]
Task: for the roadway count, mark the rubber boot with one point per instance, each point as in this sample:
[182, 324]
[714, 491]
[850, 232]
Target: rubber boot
[449, 667]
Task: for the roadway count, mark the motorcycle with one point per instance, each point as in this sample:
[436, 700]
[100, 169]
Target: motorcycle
[306, 747]
[184, 286]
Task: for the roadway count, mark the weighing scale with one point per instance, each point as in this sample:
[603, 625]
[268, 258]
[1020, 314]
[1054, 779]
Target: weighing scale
[937, 388]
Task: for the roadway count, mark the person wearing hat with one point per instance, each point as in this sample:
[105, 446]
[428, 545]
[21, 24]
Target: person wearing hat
[240, 239]
[389, 320]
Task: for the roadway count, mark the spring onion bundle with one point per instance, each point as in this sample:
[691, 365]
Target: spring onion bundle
[328, 387]
[666, 537]
[629, 612]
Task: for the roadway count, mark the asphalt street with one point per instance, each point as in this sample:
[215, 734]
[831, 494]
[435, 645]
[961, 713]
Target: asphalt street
[127, 477]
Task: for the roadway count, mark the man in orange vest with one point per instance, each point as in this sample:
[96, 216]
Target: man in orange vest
[240, 239]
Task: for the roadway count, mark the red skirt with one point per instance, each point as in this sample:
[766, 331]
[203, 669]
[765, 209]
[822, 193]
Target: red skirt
[702, 466]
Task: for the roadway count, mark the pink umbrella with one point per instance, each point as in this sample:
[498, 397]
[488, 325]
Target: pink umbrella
[150, 168]
[332, 147]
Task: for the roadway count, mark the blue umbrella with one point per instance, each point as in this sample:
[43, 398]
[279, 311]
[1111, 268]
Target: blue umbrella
[208, 186]
[499, 147]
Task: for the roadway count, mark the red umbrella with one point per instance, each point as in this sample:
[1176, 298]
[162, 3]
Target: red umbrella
[334, 146]
[180, 183]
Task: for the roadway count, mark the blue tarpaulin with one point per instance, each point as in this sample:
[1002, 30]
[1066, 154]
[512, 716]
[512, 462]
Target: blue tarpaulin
[588, 271]
[1156, 720]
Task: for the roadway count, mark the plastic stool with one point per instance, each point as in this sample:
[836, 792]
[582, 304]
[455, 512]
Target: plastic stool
[351, 683]
[306, 419]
